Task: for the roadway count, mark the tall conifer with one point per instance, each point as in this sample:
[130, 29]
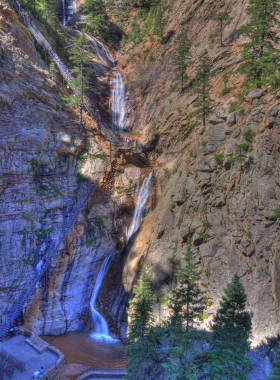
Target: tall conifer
[187, 305]
[181, 60]
[221, 17]
[81, 72]
[204, 103]
[141, 349]
[230, 337]
[160, 21]
[259, 55]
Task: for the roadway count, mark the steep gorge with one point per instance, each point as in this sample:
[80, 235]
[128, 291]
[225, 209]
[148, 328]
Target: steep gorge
[227, 209]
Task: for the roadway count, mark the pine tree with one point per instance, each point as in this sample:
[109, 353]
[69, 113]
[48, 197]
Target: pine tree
[181, 60]
[49, 10]
[82, 73]
[221, 17]
[53, 69]
[96, 18]
[275, 370]
[203, 103]
[240, 155]
[141, 347]
[187, 305]
[260, 57]
[160, 21]
[229, 339]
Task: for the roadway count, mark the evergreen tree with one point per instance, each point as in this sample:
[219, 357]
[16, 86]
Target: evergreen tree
[181, 60]
[229, 339]
[275, 370]
[260, 57]
[96, 18]
[240, 155]
[135, 30]
[187, 307]
[81, 72]
[221, 17]
[141, 347]
[53, 69]
[160, 21]
[48, 9]
[203, 103]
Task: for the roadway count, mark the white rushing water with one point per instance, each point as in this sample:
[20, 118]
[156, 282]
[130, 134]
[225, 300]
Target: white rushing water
[64, 11]
[139, 207]
[117, 101]
[101, 330]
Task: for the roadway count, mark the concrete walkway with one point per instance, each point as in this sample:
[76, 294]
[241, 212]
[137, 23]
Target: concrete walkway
[33, 360]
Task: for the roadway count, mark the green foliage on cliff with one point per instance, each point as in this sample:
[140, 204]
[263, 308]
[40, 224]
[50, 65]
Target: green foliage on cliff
[230, 337]
[160, 21]
[141, 348]
[240, 155]
[96, 16]
[204, 103]
[221, 17]
[275, 370]
[260, 57]
[181, 60]
[81, 71]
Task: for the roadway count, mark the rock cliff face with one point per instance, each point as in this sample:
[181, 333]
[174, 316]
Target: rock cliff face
[41, 152]
[230, 210]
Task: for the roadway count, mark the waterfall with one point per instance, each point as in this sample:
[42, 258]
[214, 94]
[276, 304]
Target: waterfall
[139, 207]
[101, 331]
[117, 103]
[64, 11]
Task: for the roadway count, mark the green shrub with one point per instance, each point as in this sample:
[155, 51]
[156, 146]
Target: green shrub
[225, 91]
[232, 106]
[249, 134]
[277, 212]
[219, 158]
[205, 222]
[152, 58]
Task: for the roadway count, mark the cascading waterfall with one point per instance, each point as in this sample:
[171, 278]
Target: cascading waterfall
[139, 207]
[101, 330]
[117, 102]
[64, 11]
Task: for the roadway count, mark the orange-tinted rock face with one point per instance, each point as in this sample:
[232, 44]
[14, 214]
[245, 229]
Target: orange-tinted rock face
[194, 186]
[228, 210]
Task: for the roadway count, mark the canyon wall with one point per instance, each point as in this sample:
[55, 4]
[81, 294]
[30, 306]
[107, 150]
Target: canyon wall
[228, 209]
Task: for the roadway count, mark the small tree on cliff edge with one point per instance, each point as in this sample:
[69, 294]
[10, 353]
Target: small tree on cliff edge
[229, 339]
[221, 17]
[260, 58]
[140, 350]
[181, 60]
[203, 74]
[187, 305]
[82, 73]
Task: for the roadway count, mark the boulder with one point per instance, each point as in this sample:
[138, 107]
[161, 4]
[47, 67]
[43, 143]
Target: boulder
[216, 120]
[254, 94]
[64, 138]
[278, 95]
[231, 119]
[229, 130]
[236, 133]
[270, 115]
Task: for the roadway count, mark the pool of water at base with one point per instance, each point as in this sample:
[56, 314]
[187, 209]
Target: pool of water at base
[81, 348]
